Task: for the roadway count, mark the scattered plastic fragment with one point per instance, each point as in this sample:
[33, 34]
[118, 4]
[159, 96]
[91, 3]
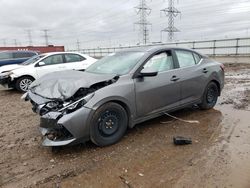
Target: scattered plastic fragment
[140, 174]
[179, 140]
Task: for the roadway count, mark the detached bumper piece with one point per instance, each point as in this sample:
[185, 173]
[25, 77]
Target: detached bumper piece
[55, 134]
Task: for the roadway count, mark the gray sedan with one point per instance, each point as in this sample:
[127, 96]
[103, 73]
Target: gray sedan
[120, 91]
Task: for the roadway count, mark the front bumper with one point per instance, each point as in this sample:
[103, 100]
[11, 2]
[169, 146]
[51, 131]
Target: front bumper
[5, 81]
[65, 129]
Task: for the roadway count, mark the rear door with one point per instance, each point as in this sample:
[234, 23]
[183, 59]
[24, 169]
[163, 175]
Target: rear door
[52, 63]
[192, 76]
[160, 92]
[75, 62]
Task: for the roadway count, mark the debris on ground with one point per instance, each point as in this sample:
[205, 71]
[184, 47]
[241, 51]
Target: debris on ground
[140, 174]
[126, 182]
[179, 140]
[186, 121]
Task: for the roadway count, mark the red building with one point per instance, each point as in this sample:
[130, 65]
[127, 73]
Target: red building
[39, 49]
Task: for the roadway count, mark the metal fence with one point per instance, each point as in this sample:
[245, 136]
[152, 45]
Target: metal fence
[222, 47]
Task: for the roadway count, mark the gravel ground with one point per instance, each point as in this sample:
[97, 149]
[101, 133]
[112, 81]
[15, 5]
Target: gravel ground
[145, 157]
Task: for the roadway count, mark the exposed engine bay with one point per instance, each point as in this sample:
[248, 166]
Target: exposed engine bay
[58, 99]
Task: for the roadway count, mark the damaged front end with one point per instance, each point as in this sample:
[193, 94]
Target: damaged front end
[5, 79]
[65, 121]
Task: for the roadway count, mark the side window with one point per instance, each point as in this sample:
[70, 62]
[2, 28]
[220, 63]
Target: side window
[161, 62]
[185, 58]
[54, 59]
[197, 58]
[6, 55]
[23, 54]
[73, 58]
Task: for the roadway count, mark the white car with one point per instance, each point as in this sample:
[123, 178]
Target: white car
[22, 75]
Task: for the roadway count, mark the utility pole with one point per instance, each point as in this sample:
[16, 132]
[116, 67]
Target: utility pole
[46, 36]
[15, 42]
[143, 11]
[78, 44]
[4, 42]
[171, 12]
[29, 37]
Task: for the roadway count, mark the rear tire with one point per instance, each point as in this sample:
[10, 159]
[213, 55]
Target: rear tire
[109, 124]
[210, 96]
[23, 83]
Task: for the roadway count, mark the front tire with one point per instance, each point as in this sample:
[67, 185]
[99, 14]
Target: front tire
[210, 96]
[109, 124]
[23, 83]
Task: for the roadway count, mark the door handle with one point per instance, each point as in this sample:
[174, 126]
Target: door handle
[174, 78]
[204, 70]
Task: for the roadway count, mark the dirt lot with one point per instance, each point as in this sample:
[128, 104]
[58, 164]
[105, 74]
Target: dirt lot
[146, 157]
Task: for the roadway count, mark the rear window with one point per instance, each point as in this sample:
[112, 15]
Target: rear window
[23, 54]
[185, 58]
[73, 58]
[197, 58]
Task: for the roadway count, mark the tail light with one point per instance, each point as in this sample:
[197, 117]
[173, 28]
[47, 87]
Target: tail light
[222, 67]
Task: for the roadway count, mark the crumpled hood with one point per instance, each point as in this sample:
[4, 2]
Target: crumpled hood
[7, 68]
[64, 84]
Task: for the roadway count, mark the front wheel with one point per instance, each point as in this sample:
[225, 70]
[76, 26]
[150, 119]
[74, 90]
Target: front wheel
[109, 124]
[23, 83]
[210, 96]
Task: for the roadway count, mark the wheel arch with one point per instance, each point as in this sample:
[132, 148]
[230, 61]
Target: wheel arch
[122, 103]
[127, 109]
[218, 85]
[26, 75]
[15, 81]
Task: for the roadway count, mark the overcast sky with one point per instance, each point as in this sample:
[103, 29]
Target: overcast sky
[110, 22]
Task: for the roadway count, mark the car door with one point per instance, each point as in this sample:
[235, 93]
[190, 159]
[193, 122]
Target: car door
[160, 92]
[192, 76]
[52, 63]
[75, 62]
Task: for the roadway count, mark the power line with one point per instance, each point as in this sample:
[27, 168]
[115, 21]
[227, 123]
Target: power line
[143, 11]
[171, 12]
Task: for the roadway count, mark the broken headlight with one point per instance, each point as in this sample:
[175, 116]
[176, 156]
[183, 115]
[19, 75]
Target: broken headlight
[52, 105]
[6, 74]
[77, 104]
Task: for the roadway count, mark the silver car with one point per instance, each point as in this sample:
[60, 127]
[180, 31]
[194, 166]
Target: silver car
[120, 91]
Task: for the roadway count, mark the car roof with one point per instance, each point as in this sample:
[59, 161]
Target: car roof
[55, 53]
[152, 49]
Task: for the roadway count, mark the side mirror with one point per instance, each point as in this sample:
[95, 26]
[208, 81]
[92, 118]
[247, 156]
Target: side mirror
[41, 63]
[148, 72]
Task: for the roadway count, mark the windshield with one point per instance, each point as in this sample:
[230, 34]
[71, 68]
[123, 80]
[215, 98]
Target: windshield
[118, 63]
[32, 60]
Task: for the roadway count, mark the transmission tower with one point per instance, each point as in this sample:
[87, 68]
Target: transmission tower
[46, 36]
[78, 45]
[15, 42]
[143, 11]
[171, 12]
[29, 37]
